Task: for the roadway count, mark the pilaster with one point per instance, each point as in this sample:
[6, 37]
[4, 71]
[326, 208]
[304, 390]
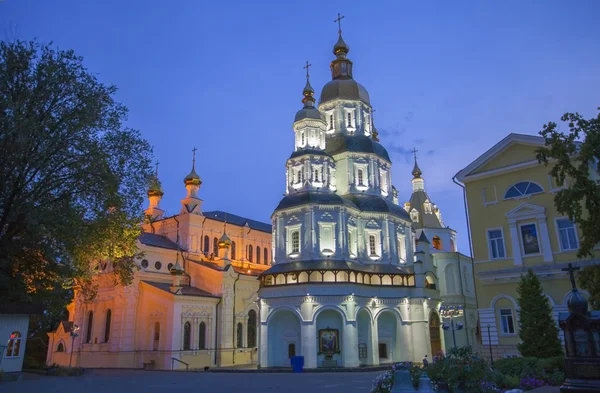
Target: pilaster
[516, 247]
[308, 332]
[545, 238]
[350, 345]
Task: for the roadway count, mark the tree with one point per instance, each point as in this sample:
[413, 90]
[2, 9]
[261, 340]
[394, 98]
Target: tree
[72, 176]
[537, 330]
[575, 155]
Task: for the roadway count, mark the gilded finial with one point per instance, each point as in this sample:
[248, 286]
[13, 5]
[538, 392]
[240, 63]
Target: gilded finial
[416, 172]
[192, 178]
[155, 188]
[339, 22]
[308, 91]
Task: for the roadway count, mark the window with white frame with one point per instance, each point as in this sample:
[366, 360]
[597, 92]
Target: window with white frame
[302, 138]
[13, 349]
[507, 321]
[427, 206]
[553, 185]
[331, 122]
[488, 195]
[326, 236]
[360, 177]
[402, 248]
[496, 244]
[567, 235]
[530, 239]
[372, 245]
[349, 119]
[352, 243]
[295, 241]
[384, 181]
[414, 215]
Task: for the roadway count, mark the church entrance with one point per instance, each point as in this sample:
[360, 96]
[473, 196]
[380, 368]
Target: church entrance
[435, 336]
[283, 339]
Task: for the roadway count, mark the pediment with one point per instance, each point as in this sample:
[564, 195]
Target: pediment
[526, 210]
[372, 224]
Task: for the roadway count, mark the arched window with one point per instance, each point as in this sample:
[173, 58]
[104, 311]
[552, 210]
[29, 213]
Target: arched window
[331, 122]
[60, 347]
[302, 138]
[206, 245]
[14, 345]
[156, 339]
[107, 326]
[266, 256]
[232, 250]
[296, 241]
[300, 176]
[239, 333]
[450, 276]
[316, 175]
[522, 189]
[257, 254]
[372, 248]
[251, 329]
[349, 119]
[202, 336]
[90, 323]
[437, 243]
[359, 175]
[250, 253]
[187, 336]
[215, 246]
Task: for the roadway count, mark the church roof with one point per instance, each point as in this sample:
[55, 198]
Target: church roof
[345, 89]
[21, 308]
[312, 152]
[376, 268]
[156, 240]
[185, 290]
[356, 144]
[426, 220]
[362, 202]
[238, 220]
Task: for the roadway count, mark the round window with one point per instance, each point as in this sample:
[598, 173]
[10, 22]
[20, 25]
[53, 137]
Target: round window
[144, 263]
[169, 266]
[157, 265]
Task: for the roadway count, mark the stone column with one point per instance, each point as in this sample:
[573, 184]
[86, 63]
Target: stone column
[420, 341]
[350, 345]
[373, 348]
[516, 247]
[308, 332]
[545, 239]
[263, 344]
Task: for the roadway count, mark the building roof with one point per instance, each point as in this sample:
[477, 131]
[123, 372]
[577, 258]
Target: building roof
[185, 290]
[344, 89]
[238, 220]
[426, 220]
[156, 240]
[374, 268]
[356, 144]
[310, 152]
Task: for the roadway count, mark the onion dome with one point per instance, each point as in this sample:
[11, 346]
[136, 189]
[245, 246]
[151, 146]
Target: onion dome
[224, 241]
[577, 303]
[309, 111]
[416, 172]
[193, 179]
[340, 47]
[154, 187]
[177, 270]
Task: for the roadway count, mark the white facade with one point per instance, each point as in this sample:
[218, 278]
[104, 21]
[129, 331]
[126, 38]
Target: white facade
[13, 333]
[344, 251]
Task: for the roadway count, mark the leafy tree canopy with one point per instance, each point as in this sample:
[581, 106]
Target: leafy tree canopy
[72, 175]
[537, 330]
[576, 156]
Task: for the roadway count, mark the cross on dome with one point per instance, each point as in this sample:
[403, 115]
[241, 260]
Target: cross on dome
[306, 67]
[571, 270]
[339, 22]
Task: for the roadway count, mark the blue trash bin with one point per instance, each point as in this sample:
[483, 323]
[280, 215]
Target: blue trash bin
[297, 363]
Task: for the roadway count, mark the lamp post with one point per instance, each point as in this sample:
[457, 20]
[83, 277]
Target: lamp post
[73, 335]
[490, 345]
[452, 311]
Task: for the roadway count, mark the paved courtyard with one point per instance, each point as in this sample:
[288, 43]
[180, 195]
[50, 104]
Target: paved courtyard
[133, 381]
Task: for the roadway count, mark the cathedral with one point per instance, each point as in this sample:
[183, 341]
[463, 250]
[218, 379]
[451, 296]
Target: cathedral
[345, 276]
[357, 279]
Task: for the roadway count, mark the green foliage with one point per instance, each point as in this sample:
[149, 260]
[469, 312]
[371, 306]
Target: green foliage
[537, 330]
[31, 363]
[556, 378]
[73, 177]
[589, 279]
[576, 152]
[520, 367]
[60, 371]
[415, 375]
[510, 371]
[460, 370]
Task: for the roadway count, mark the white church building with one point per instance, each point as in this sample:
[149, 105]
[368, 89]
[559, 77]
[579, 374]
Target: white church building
[355, 279]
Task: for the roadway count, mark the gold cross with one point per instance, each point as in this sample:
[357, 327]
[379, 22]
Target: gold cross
[306, 68]
[414, 150]
[157, 167]
[194, 156]
[339, 22]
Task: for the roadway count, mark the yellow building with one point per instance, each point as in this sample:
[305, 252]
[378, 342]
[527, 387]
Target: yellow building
[514, 227]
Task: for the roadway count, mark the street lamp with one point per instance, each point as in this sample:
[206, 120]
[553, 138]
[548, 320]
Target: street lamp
[452, 311]
[73, 335]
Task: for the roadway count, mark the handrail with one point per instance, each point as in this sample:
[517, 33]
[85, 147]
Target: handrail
[187, 366]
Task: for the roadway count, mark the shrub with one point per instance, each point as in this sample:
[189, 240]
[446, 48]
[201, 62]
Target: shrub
[521, 367]
[415, 375]
[383, 383]
[531, 383]
[58, 371]
[556, 378]
[553, 364]
[31, 363]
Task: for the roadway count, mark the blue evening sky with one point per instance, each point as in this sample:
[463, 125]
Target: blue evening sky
[450, 78]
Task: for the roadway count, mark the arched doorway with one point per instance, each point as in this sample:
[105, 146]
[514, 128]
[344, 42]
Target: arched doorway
[283, 338]
[387, 330]
[435, 337]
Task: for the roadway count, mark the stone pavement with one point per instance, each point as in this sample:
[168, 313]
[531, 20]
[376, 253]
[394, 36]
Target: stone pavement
[136, 381]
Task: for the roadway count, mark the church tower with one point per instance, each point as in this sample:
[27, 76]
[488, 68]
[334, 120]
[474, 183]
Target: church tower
[191, 204]
[343, 249]
[426, 216]
[155, 193]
